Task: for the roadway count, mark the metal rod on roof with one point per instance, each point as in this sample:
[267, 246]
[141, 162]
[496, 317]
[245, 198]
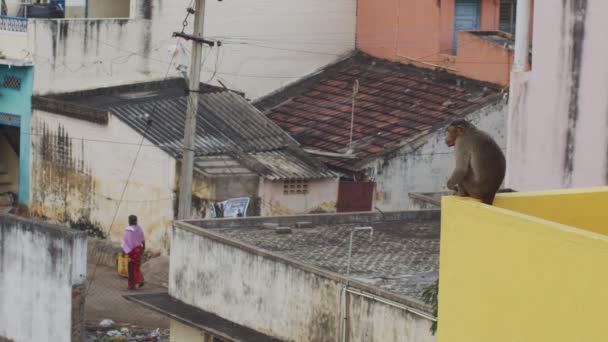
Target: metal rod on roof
[345, 288]
[352, 116]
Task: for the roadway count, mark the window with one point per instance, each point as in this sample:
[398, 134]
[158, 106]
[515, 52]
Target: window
[507, 15]
[295, 187]
[12, 82]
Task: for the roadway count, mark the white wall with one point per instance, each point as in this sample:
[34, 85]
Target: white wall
[39, 265]
[267, 44]
[561, 100]
[322, 194]
[79, 170]
[426, 164]
[276, 297]
[271, 43]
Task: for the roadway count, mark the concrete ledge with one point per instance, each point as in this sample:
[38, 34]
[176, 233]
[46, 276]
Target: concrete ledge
[315, 220]
[175, 309]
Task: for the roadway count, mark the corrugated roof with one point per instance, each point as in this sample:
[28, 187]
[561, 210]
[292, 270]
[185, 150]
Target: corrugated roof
[226, 123]
[286, 165]
[395, 102]
[227, 126]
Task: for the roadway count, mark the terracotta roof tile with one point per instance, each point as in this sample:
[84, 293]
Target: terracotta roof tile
[394, 102]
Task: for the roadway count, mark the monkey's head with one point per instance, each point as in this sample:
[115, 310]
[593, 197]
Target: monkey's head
[456, 129]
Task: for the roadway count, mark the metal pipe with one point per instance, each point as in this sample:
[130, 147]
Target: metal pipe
[343, 316]
[522, 36]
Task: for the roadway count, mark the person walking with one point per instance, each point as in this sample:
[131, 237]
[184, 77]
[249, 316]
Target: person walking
[134, 244]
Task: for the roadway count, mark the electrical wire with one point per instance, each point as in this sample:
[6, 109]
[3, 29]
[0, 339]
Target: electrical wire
[92, 279]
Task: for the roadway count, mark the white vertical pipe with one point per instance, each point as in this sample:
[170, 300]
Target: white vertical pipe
[522, 34]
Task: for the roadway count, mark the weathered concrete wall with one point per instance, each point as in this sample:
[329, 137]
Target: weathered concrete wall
[80, 168]
[266, 45]
[274, 296]
[109, 8]
[558, 122]
[103, 52]
[235, 186]
[40, 264]
[426, 164]
[322, 195]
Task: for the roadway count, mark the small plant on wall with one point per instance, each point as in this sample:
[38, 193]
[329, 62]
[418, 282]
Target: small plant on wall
[429, 296]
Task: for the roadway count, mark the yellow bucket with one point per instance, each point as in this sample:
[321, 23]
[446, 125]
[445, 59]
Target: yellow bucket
[122, 265]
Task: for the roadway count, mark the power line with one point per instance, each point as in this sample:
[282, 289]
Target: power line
[133, 166]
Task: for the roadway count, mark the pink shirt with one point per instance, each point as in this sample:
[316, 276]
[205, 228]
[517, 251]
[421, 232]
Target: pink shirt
[134, 237]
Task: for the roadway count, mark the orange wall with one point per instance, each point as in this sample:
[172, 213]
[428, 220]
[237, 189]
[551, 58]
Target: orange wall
[402, 30]
[421, 32]
[483, 60]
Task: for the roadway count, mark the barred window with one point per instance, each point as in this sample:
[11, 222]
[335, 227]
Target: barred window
[295, 187]
[12, 82]
[507, 15]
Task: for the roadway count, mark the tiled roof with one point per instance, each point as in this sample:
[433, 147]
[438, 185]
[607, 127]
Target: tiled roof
[394, 102]
[227, 125]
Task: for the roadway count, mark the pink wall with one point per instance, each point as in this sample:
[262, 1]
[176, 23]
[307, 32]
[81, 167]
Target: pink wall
[558, 119]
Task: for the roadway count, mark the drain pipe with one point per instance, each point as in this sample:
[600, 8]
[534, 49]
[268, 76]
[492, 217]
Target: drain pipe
[522, 36]
[343, 316]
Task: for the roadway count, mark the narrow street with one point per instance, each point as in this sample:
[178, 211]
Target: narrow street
[105, 301]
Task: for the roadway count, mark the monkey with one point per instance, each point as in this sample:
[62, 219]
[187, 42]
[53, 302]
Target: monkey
[480, 163]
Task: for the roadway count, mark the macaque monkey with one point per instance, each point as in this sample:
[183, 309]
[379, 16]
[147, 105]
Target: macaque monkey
[480, 163]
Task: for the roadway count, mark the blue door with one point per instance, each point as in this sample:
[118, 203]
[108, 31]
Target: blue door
[466, 17]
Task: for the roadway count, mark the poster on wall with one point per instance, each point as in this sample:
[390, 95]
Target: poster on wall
[234, 207]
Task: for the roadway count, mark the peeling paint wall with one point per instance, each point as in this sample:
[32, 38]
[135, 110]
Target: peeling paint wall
[558, 120]
[79, 171]
[266, 45]
[278, 298]
[322, 196]
[39, 266]
[426, 164]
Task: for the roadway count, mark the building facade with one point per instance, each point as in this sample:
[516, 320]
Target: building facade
[472, 38]
[16, 82]
[558, 119]
[263, 45]
[117, 151]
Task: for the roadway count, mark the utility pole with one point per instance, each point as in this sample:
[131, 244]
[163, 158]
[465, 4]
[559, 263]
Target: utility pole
[185, 187]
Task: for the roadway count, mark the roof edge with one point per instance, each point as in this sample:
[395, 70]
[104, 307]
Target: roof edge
[70, 110]
[417, 140]
[356, 284]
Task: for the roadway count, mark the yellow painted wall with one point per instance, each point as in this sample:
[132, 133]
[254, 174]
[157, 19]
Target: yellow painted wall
[506, 276]
[582, 208]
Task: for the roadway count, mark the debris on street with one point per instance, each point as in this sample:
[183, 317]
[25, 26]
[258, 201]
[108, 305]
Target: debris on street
[126, 334]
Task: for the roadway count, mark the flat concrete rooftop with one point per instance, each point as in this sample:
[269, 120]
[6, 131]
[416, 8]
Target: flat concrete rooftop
[402, 255]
